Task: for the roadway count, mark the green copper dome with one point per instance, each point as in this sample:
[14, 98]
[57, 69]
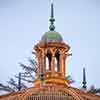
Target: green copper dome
[52, 36]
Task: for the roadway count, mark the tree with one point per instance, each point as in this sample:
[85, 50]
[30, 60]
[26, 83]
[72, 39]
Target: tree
[30, 71]
[12, 85]
[23, 78]
[94, 90]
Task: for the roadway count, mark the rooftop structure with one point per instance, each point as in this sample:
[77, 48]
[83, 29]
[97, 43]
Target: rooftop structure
[51, 82]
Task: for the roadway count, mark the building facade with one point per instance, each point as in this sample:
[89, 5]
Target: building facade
[51, 82]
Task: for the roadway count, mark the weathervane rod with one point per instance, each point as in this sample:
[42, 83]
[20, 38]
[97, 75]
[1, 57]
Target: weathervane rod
[52, 11]
[52, 27]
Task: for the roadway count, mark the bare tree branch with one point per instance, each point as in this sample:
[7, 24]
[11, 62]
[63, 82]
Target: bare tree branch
[6, 88]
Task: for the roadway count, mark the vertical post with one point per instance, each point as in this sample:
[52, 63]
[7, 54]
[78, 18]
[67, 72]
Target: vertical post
[62, 64]
[44, 61]
[19, 82]
[42, 68]
[39, 63]
[84, 79]
[44, 56]
[53, 64]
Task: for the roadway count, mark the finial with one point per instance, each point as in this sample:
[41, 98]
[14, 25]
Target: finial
[84, 79]
[52, 11]
[42, 73]
[52, 27]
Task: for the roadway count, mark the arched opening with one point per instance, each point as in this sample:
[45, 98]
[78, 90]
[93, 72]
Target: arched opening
[57, 61]
[48, 61]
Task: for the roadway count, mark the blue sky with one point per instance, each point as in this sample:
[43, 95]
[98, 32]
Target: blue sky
[23, 22]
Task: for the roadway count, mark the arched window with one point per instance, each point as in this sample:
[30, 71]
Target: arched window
[48, 60]
[47, 63]
[57, 57]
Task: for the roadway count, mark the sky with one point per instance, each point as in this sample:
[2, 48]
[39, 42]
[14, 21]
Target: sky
[23, 22]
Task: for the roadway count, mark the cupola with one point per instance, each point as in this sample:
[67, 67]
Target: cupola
[51, 52]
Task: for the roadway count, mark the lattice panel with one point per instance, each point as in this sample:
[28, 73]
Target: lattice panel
[50, 96]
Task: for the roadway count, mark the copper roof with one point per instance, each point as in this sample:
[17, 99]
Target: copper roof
[51, 93]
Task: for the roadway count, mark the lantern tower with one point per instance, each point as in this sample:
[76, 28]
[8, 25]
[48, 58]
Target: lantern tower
[51, 53]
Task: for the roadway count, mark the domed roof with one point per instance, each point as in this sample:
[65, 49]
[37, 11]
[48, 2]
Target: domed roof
[52, 36]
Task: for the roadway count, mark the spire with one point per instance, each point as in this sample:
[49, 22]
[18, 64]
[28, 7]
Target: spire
[52, 27]
[84, 79]
[19, 82]
[42, 69]
[42, 73]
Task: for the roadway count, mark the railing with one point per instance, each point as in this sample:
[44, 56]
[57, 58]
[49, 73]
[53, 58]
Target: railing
[50, 96]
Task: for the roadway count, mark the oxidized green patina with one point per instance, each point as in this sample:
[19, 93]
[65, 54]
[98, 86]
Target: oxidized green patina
[51, 36]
